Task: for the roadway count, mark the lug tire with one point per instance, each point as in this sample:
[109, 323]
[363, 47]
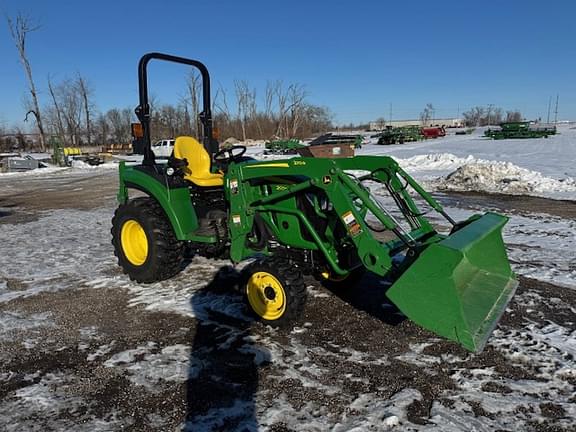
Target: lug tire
[285, 279]
[162, 258]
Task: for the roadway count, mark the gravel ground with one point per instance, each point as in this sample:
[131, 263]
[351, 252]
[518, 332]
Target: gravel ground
[90, 358]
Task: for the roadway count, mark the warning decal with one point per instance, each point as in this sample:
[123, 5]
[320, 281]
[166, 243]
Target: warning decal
[352, 225]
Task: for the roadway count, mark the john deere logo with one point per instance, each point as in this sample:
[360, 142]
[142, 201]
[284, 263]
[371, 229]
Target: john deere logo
[326, 179]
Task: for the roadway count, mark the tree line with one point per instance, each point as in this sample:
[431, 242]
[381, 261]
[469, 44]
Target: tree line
[476, 116]
[70, 114]
[480, 116]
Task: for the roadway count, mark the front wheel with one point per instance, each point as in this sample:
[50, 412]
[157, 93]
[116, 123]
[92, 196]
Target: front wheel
[275, 291]
[144, 242]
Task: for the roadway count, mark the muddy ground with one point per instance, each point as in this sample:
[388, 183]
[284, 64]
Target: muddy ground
[89, 358]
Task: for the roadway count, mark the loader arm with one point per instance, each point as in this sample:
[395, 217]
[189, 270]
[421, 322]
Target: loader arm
[350, 201]
[455, 285]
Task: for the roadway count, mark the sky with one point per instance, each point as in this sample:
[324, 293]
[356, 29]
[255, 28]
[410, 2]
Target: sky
[361, 59]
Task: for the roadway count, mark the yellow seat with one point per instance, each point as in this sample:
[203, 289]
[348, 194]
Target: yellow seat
[198, 169]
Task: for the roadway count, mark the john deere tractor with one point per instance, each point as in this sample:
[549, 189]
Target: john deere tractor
[307, 215]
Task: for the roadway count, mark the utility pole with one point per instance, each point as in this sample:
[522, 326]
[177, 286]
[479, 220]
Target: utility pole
[556, 110]
[549, 103]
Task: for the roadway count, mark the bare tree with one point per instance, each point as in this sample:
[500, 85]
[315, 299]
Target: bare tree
[296, 97]
[427, 114]
[19, 30]
[478, 116]
[220, 104]
[497, 116]
[85, 93]
[71, 107]
[70, 113]
[153, 102]
[115, 119]
[4, 140]
[380, 123]
[102, 130]
[513, 116]
[281, 101]
[269, 97]
[57, 113]
[194, 85]
[243, 102]
[474, 116]
[252, 108]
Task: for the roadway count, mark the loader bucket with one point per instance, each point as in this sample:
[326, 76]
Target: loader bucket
[459, 287]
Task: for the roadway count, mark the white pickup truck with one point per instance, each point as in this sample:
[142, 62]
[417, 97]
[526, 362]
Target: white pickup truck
[163, 148]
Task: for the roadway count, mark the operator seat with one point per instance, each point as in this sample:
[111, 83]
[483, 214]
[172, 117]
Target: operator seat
[198, 169]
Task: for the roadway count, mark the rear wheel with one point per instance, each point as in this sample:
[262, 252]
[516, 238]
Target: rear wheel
[144, 243]
[275, 291]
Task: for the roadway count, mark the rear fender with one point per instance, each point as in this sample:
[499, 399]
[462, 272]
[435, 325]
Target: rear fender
[175, 202]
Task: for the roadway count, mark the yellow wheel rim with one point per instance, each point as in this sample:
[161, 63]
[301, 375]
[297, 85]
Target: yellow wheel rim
[266, 296]
[134, 242]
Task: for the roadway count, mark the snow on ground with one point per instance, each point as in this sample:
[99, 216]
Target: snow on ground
[69, 262]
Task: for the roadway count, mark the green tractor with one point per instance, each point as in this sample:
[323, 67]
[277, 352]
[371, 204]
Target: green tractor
[517, 130]
[307, 216]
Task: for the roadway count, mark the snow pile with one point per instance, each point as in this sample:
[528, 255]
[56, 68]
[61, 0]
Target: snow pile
[503, 177]
[35, 172]
[446, 171]
[81, 165]
[436, 161]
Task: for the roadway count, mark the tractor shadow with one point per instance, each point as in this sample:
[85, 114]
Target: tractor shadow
[224, 360]
[368, 294]
[6, 207]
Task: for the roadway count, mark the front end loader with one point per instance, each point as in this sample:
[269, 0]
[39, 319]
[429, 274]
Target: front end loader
[331, 218]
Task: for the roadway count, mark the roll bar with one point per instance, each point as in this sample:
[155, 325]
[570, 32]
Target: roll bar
[143, 109]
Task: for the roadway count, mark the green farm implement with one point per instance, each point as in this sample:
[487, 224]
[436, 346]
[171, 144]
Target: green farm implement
[290, 146]
[308, 215]
[520, 130]
[354, 141]
[400, 135]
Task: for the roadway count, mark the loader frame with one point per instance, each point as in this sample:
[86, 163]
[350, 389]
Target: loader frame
[267, 190]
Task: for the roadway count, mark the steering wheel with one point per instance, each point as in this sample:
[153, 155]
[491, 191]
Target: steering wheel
[229, 154]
